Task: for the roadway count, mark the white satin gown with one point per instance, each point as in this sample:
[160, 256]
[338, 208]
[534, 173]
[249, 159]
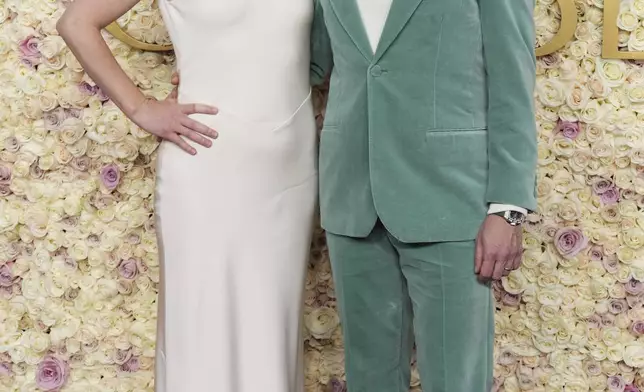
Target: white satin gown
[235, 220]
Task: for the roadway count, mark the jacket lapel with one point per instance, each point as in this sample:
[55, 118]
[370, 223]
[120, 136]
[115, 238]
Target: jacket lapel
[399, 14]
[348, 14]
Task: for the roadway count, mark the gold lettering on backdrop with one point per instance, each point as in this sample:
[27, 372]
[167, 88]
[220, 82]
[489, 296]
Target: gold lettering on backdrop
[566, 30]
[120, 34]
[610, 40]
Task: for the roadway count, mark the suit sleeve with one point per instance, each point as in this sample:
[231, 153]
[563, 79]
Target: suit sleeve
[321, 54]
[508, 46]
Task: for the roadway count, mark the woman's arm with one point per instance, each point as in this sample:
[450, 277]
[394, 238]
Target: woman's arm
[80, 27]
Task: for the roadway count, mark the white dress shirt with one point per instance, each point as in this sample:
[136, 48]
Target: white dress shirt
[374, 15]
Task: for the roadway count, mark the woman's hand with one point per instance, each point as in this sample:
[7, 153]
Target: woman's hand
[169, 120]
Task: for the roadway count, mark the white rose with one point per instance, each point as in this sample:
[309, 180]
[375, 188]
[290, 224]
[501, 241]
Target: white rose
[592, 113]
[72, 96]
[321, 322]
[636, 40]
[30, 83]
[72, 129]
[634, 355]
[551, 93]
[51, 45]
[613, 72]
[627, 21]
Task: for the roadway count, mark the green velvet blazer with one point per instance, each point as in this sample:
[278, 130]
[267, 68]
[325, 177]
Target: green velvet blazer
[432, 128]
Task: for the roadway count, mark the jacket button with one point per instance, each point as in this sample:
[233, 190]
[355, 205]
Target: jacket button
[376, 71]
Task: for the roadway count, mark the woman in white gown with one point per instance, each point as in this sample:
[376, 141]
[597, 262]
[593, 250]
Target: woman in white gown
[234, 214]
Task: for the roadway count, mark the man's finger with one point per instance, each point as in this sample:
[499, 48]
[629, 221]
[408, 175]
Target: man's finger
[487, 267]
[500, 266]
[478, 257]
[175, 79]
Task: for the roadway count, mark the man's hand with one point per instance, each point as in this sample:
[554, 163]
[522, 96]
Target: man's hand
[175, 91]
[499, 247]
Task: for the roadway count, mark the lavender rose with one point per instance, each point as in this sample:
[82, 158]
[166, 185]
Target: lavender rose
[550, 61]
[81, 163]
[121, 357]
[569, 241]
[610, 196]
[29, 47]
[128, 269]
[5, 369]
[132, 365]
[601, 185]
[596, 253]
[570, 130]
[637, 328]
[615, 384]
[336, 385]
[5, 174]
[54, 119]
[510, 299]
[30, 62]
[87, 88]
[634, 287]
[110, 176]
[6, 277]
[52, 374]
[617, 306]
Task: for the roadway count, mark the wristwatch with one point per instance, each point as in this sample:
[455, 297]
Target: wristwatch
[514, 218]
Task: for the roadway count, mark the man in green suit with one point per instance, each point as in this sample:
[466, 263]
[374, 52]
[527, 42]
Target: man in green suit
[427, 169]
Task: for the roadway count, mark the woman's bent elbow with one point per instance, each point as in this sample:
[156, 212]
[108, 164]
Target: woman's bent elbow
[62, 26]
[68, 25]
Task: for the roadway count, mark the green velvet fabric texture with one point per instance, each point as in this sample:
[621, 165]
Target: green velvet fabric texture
[432, 128]
[381, 282]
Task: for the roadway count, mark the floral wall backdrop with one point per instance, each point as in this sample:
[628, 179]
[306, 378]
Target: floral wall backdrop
[78, 256]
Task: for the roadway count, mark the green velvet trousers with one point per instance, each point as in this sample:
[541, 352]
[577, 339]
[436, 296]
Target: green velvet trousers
[391, 294]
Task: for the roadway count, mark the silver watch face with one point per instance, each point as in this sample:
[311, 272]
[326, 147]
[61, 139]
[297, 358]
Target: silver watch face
[514, 218]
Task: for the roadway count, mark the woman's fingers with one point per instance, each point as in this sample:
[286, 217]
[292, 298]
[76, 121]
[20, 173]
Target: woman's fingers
[178, 140]
[197, 108]
[195, 136]
[199, 127]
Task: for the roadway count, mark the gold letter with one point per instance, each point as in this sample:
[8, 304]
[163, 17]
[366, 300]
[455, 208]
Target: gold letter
[566, 30]
[120, 34]
[610, 49]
